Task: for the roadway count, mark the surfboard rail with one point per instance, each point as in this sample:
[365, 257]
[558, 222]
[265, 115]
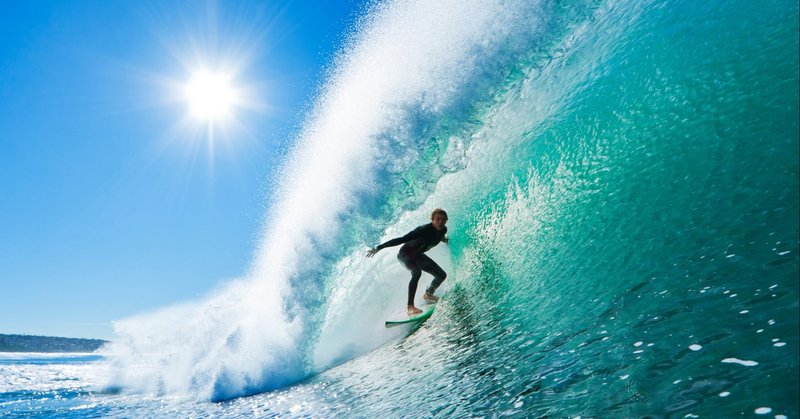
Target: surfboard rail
[427, 311]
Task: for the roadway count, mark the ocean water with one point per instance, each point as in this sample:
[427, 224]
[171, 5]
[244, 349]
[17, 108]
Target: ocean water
[622, 184]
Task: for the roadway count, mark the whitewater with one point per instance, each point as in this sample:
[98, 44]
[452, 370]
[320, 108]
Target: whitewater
[621, 178]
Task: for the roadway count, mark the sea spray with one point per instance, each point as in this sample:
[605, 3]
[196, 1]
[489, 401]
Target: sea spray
[217, 348]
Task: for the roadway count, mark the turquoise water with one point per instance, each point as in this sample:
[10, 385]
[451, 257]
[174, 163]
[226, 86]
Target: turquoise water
[622, 184]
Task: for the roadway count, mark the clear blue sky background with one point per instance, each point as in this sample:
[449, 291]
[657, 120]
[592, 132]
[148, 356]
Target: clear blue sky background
[113, 202]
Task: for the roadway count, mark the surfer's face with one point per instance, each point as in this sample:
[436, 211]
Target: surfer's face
[438, 221]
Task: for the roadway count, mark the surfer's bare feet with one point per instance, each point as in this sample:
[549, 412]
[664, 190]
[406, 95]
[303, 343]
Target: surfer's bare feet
[430, 298]
[413, 311]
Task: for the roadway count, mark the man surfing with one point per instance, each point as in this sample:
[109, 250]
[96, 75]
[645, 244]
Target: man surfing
[412, 256]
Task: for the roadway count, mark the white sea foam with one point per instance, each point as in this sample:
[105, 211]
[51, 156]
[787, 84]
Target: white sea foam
[47, 371]
[740, 362]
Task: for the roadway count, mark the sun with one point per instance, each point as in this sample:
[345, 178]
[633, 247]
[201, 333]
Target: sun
[210, 96]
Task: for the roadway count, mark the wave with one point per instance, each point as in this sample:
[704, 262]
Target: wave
[600, 168]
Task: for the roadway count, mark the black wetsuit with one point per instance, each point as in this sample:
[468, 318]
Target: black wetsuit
[412, 256]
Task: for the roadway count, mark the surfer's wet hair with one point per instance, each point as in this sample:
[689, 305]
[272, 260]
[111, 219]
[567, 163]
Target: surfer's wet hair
[439, 211]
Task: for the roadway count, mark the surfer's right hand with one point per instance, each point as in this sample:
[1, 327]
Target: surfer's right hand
[372, 252]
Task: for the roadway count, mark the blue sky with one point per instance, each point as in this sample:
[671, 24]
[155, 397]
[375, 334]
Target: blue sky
[113, 200]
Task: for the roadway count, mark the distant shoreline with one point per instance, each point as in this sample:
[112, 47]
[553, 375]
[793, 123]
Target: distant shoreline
[48, 344]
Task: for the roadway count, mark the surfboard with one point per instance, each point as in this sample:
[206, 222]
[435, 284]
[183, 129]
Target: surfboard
[427, 310]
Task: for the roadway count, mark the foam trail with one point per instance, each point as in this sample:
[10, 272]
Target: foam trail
[409, 64]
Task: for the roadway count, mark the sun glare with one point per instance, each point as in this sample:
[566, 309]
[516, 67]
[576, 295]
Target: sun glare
[210, 96]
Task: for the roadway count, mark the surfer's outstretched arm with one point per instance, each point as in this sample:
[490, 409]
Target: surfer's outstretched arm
[394, 242]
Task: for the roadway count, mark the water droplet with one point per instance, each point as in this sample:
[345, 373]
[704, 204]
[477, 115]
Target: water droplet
[724, 394]
[624, 377]
[695, 347]
[779, 344]
[763, 410]
[638, 344]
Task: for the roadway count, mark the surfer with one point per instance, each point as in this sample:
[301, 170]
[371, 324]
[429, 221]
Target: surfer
[412, 256]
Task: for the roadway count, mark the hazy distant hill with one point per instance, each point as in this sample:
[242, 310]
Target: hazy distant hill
[25, 343]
